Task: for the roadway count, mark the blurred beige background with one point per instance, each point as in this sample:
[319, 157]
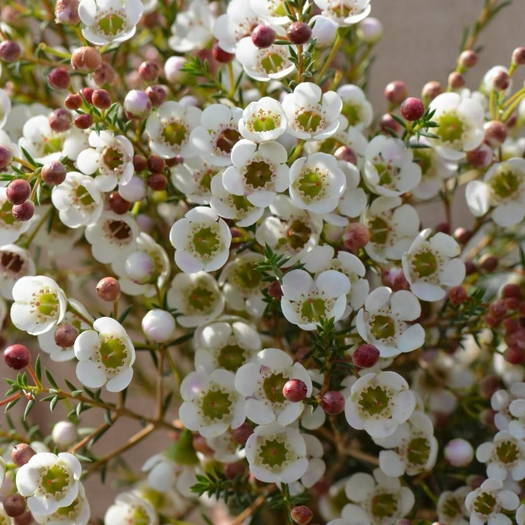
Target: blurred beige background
[420, 43]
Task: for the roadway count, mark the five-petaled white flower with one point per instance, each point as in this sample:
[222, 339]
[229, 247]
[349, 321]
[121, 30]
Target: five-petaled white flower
[131, 508]
[78, 513]
[263, 120]
[344, 12]
[504, 455]
[488, 503]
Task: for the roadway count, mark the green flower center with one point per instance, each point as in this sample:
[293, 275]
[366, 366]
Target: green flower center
[263, 122]
[241, 203]
[273, 453]
[485, 504]
[112, 24]
[451, 508]
[309, 121]
[313, 309]
[174, 133]
[113, 158]
[384, 505]
[310, 184]
[353, 113]
[424, 159]
[227, 139]
[386, 174]
[69, 512]
[298, 234]
[204, 181]
[273, 387]
[113, 352]
[246, 276]
[216, 405]
[418, 451]
[382, 327]
[258, 174]
[7, 214]
[379, 230]
[280, 10]
[425, 263]
[206, 241]
[140, 517]
[507, 452]
[374, 400]
[450, 128]
[231, 357]
[272, 63]
[52, 144]
[55, 480]
[46, 302]
[83, 196]
[201, 299]
[505, 184]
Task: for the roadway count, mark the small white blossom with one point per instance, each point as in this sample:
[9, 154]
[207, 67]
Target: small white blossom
[15, 262]
[272, 10]
[487, 503]
[451, 507]
[356, 108]
[106, 356]
[131, 509]
[10, 228]
[192, 28]
[78, 513]
[263, 120]
[510, 408]
[5, 107]
[193, 178]
[379, 403]
[344, 12]
[201, 240]
[504, 455]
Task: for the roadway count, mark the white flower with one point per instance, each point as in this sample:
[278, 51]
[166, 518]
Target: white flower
[78, 200]
[415, 447]
[272, 10]
[510, 408]
[451, 507]
[49, 482]
[78, 513]
[111, 155]
[242, 284]
[276, 454]
[227, 343]
[39, 304]
[344, 12]
[196, 297]
[230, 206]
[106, 355]
[262, 382]
[383, 321]
[263, 120]
[169, 128]
[432, 263]
[15, 262]
[392, 228]
[46, 341]
[520, 515]
[487, 503]
[316, 465]
[158, 325]
[503, 188]
[379, 500]
[211, 403]
[353, 201]
[193, 178]
[109, 21]
[271, 63]
[379, 403]
[131, 509]
[504, 455]
[112, 236]
[389, 169]
[201, 240]
[5, 107]
[356, 108]
[289, 230]
[312, 114]
[307, 302]
[192, 28]
[259, 171]
[217, 134]
[487, 85]
[10, 228]
[459, 125]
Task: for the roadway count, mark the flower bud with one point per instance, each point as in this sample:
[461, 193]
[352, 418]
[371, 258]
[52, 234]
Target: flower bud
[346, 154]
[104, 74]
[488, 385]
[149, 71]
[23, 212]
[156, 164]
[468, 59]
[108, 289]
[488, 263]
[295, 390]
[263, 36]
[14, 505]
[298, 33]
[356, 236]
[135, 190]
[241, 434]
[495, 133]
[498, 309]
[457, 295]
[518, 56]
[84, 121]
[333, 402]
[480, 157]
[157, 95]
[139, 163]
[365, 356]
[232, 470]
[275, 290]
[59, 78]
[21, 454]
[443, 227]
[301, 514]
[412, 109]
[324, 30]
[59, 120]
[456, 80]
[65, 335]
[137, 104]
[501, 80]
[159, 325]
[25, 519]
[53, 173]
[157, 182]
[396, 92]
[6, 156]
[17, 356]
[370, 30]
[66, 12]
[389, 124]
[200, 444]
[140, 267]
[459, 453]
[64, 434]
[431, 90]
[511, 290]
[73, 102]
[514, 355]
[101, 99]
[10, 51]
[220, 55]
[462, 235]
[172, 69]
[85, 59]
[117, 204]
[18, 191]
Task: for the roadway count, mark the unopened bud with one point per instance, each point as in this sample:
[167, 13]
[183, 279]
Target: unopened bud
[64, 434]
[459, 452]
[149, 71]
[108, 289]
[21, 454]
[295, 390]
[14, 505]
[53, 173]
[59, 78]
[104, 74]
[396, 92]
[10, 51]
[431, 90]
[137, 104]
[480, 157]
[66, 12]
[365, 356]
[457, 295]
[59, 120]
[370, 30]
[356, 236]
[501, 80]
[333, 402]
[495, 133]
[456, 80]
[65, 335]
[157, 95]
[468, 59]
[86, 59]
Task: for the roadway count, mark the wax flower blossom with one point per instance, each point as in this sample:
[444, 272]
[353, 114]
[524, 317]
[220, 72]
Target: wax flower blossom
[383, 321]
[78, 512]
[49, 482]
[432, 262]
[356, 108]
[344, 12]
[192, 27]
[15, 262]
[263, 120]
[261, 383]
[131, 509]
[504, 456]
[106, 356]
[488, 503]
[109, 21]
